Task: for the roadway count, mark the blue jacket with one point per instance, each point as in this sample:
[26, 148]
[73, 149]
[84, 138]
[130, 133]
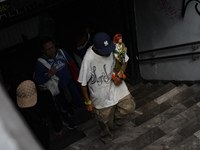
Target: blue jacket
[60, 63]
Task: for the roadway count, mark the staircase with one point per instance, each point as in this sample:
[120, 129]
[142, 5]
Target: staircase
[170, 121]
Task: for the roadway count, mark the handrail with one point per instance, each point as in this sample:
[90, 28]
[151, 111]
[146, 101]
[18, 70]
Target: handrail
[169, 47]
[166, 57]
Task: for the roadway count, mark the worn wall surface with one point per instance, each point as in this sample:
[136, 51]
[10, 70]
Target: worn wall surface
[160, 24]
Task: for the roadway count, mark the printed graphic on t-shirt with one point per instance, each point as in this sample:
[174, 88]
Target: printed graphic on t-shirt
[59, 65]
[58, 62]
[102, 78]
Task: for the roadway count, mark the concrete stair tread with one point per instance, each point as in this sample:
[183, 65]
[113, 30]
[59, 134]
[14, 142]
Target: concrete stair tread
[170, 120]
[177, 129]
[86, 143]
[141, 88]
[92, 125]
[169, 141]
[188, 94]
[134, 87]
[191, 143]
[170, 94]
[154, 95]
[148, 90]
[146, 129]
[161, 99]
[163, 117]
[125, 133]
[89, 127]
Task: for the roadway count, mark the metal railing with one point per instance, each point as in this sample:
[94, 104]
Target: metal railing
[169, 56]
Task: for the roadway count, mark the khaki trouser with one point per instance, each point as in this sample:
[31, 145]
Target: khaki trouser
[106, 116]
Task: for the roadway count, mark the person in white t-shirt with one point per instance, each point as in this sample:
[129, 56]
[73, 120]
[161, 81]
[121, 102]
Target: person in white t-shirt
[109, 99]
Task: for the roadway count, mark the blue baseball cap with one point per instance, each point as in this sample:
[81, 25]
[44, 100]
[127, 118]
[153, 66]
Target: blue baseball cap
[103, 43]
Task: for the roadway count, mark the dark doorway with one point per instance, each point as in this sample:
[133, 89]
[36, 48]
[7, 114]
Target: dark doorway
[113, 16]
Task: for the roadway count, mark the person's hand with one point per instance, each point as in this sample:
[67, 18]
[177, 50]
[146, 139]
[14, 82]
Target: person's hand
[58, 134]
[52, 71]
[90, 108]
[117, 81]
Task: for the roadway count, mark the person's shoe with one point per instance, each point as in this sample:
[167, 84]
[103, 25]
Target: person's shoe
[118, 122]
[69, 124]
[105, 141]
[138, 112]
[72, 112]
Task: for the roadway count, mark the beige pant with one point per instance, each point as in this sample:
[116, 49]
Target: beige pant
[106, 116]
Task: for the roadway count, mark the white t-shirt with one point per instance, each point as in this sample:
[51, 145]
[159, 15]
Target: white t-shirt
[96, 72]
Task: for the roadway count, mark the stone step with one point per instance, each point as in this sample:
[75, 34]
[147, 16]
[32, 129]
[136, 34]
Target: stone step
[167, 114]
[180, 119]
[91, 142]
[129, 133]
[177, 129]
[188, 121]
[161, 127]
[186, 94]
[147, 91]
[92, 126]
[170, 94]
[192, 100]
[89, 127]
[163, 98]
[191, 143]
[130, 137]
[157, 109]
[134, 87]
[155, 94]
[142, 88]
[170, 120]
[136, 138]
